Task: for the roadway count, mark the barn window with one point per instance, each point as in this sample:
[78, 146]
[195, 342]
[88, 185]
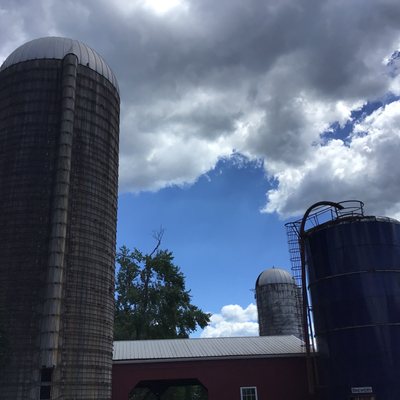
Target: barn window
[248, 393]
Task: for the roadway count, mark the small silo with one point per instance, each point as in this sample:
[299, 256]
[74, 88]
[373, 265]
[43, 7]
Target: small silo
[353, 264]
[278, 303]
[59, 130]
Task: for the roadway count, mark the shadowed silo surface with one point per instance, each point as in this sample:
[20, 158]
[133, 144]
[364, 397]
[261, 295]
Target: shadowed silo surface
[59, 127]
[354, 277]
[278, 304]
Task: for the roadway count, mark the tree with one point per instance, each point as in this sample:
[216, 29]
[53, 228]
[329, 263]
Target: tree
[151, 298]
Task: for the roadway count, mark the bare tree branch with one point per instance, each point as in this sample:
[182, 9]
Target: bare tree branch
[157, 235]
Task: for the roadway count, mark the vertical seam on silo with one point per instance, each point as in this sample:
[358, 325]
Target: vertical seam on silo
[50, 327]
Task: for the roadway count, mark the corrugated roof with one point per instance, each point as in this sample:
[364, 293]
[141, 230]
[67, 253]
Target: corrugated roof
[229, 347]
[58, 48]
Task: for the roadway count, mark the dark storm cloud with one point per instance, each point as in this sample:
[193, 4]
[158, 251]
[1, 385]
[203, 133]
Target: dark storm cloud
[263, 77]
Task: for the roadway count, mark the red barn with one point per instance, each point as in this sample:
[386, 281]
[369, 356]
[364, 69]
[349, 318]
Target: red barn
[242, 368]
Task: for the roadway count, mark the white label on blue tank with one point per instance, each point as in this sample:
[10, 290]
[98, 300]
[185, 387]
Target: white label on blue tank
[363, 389]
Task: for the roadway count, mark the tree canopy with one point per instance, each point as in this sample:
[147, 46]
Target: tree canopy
[152, 301]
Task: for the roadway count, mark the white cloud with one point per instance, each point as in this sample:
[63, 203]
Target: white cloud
[363, 168]
[233, 320]
[264, 78]
[164, 6]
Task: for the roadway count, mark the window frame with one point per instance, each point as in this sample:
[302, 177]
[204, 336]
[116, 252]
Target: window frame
[248, 387]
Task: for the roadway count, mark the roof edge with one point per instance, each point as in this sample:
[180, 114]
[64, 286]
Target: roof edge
[216, 358]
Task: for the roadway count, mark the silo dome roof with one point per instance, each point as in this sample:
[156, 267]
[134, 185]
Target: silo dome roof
[274, 275]
[57, 48]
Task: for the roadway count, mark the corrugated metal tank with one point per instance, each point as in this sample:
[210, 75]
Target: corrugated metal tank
[278, 304]
[354, 278]
[59, 129]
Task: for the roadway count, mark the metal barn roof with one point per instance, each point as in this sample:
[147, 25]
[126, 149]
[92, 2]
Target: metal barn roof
[229, 347]
[57, 48]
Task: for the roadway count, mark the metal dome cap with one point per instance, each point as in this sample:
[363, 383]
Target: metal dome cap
[274, 275]
[57, 48]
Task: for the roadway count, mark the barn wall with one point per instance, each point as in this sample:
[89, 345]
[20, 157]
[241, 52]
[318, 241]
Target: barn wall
[275, 379]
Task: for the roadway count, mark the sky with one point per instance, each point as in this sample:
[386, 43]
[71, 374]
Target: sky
[236, 115]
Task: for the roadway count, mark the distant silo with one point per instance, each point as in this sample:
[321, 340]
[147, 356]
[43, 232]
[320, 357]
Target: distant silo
[59, 127]
[354, 277]
[278, 304]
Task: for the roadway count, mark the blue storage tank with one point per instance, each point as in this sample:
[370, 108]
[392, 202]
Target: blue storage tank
[354, 279]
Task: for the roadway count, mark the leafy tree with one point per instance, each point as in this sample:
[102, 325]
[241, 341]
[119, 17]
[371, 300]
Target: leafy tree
[151, 298]
[191, 392]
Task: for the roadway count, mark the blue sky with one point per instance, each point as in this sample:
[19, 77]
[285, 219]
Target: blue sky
[306, 91]
[215, 228]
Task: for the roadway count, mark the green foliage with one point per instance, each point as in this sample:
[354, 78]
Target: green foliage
[191, 392]
[194, 392]
[151, 299]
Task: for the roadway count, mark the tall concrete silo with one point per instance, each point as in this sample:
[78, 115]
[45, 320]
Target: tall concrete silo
[59, 129]
[278, 304]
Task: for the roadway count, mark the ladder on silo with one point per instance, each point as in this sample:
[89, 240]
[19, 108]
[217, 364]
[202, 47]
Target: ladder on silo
[315, 215]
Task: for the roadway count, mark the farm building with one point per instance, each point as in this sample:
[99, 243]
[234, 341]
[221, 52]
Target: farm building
[246, 368]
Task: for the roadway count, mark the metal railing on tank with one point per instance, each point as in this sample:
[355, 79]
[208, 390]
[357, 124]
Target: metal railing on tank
[319, 215]
[316, 215]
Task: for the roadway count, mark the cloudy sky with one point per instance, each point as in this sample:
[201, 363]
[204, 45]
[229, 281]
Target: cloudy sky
[235, 116]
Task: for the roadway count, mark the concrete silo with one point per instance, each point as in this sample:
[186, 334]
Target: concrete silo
[278, 303]
[59, 129]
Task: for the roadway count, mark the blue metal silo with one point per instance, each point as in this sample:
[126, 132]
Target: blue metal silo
[353, 265]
